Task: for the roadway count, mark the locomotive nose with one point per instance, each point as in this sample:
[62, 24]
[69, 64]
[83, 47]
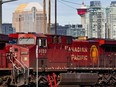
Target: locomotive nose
[24, 56]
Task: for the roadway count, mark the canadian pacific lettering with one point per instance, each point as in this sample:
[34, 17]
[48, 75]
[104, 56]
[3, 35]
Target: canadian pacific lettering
[75, 53]
[78, 57]
[76, 49]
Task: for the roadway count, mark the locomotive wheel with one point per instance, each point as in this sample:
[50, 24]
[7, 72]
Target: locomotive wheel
[42, 81]
[6, 82]
[107, 79]
[112, 80]
[1, 81]
[102, 80]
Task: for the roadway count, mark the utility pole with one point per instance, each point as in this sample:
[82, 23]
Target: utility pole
[1, 16]
[37, 65]
[2, 2]
[55, 16]
[44, 14]
[49, 16]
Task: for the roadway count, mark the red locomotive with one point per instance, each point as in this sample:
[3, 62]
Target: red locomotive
[52, 58]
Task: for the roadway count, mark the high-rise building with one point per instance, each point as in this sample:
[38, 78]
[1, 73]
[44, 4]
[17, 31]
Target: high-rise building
[7, 28]
[96, 20]
[29, 18]
[111, 21]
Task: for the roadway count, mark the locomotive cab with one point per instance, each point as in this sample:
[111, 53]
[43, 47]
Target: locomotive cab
[24, 52]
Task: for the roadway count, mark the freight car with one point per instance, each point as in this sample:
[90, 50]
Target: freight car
[61, 60]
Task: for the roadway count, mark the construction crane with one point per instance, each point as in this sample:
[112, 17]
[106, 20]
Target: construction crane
[2, 2]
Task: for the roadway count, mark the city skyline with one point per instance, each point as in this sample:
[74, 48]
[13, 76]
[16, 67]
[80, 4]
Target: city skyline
[67, 13]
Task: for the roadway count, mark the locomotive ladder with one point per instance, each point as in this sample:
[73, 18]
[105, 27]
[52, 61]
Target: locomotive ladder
[20, 74]
[23, 73]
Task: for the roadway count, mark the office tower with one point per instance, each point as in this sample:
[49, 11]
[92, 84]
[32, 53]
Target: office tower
[7, 28]
[96, 20]
[111, 21]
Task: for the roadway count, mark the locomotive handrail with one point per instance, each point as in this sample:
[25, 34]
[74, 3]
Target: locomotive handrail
[26, 67]
[13, 64]
[22, 67]
[20, 64]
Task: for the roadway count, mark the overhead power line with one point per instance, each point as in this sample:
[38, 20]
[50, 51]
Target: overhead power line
[71, 2]
[66, 4]
[66, 1]
[74, 3]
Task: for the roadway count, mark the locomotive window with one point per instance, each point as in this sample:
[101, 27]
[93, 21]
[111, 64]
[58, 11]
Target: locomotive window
[42, 42]
[26, 41]
[55, 39]
[13, 41]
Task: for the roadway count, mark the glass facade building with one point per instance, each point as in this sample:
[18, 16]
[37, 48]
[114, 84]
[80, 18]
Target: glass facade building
[96, 20]
[111, 21]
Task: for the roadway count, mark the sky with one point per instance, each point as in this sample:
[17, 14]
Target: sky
[66, 10]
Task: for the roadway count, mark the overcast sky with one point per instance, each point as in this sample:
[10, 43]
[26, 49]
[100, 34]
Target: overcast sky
[67, 13]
